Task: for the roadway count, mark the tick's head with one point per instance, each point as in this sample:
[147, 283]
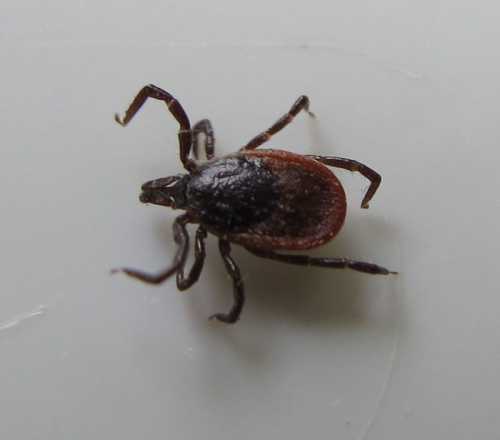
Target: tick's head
[166, 191]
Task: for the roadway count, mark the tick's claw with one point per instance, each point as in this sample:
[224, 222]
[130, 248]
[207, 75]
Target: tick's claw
[115, 270]
[119, 120]
[221, 317]
[214, 317]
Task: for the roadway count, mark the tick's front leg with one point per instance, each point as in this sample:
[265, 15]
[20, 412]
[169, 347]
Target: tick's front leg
[182, 239]
[175, 108]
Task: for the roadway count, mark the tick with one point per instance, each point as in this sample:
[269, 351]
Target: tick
[264, 200]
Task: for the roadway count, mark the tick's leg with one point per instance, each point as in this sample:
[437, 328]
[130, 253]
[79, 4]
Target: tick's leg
[199, 257]
[151, 91]
[238, 289]
[301, 104]
[353, 165]
[334, 263]
[182, 239]
[204, 126]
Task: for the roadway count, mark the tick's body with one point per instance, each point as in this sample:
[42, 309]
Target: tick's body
[268, 199]
[264, 200]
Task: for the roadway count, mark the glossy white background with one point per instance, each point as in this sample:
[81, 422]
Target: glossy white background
[410, 88]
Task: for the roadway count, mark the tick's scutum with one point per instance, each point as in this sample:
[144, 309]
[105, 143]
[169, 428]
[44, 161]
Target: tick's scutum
[233, 194]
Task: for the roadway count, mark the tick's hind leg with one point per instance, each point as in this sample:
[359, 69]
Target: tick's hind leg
[238, 289]
[353, 165]
[184, 134]
[203, 127]
[301, 104]
[182, 239]
[333, 263]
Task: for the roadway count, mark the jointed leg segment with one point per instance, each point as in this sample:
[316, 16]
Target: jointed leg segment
[182, 239]
[334, 263]
[353, 165]
[151, 91]
[204, 126]
[238, 288]
[301, 104]
[199, 258]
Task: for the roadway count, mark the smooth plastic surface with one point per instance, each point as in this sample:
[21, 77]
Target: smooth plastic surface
[409, 88]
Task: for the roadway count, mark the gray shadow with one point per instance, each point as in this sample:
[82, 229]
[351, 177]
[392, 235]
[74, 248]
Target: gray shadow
[315, 298]
[310, 296]
[316, 301]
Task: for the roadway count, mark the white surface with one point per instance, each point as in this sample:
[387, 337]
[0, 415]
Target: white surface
[410, 88]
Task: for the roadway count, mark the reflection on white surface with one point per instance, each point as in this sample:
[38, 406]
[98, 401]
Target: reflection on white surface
[19, 319]
[409, 89]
